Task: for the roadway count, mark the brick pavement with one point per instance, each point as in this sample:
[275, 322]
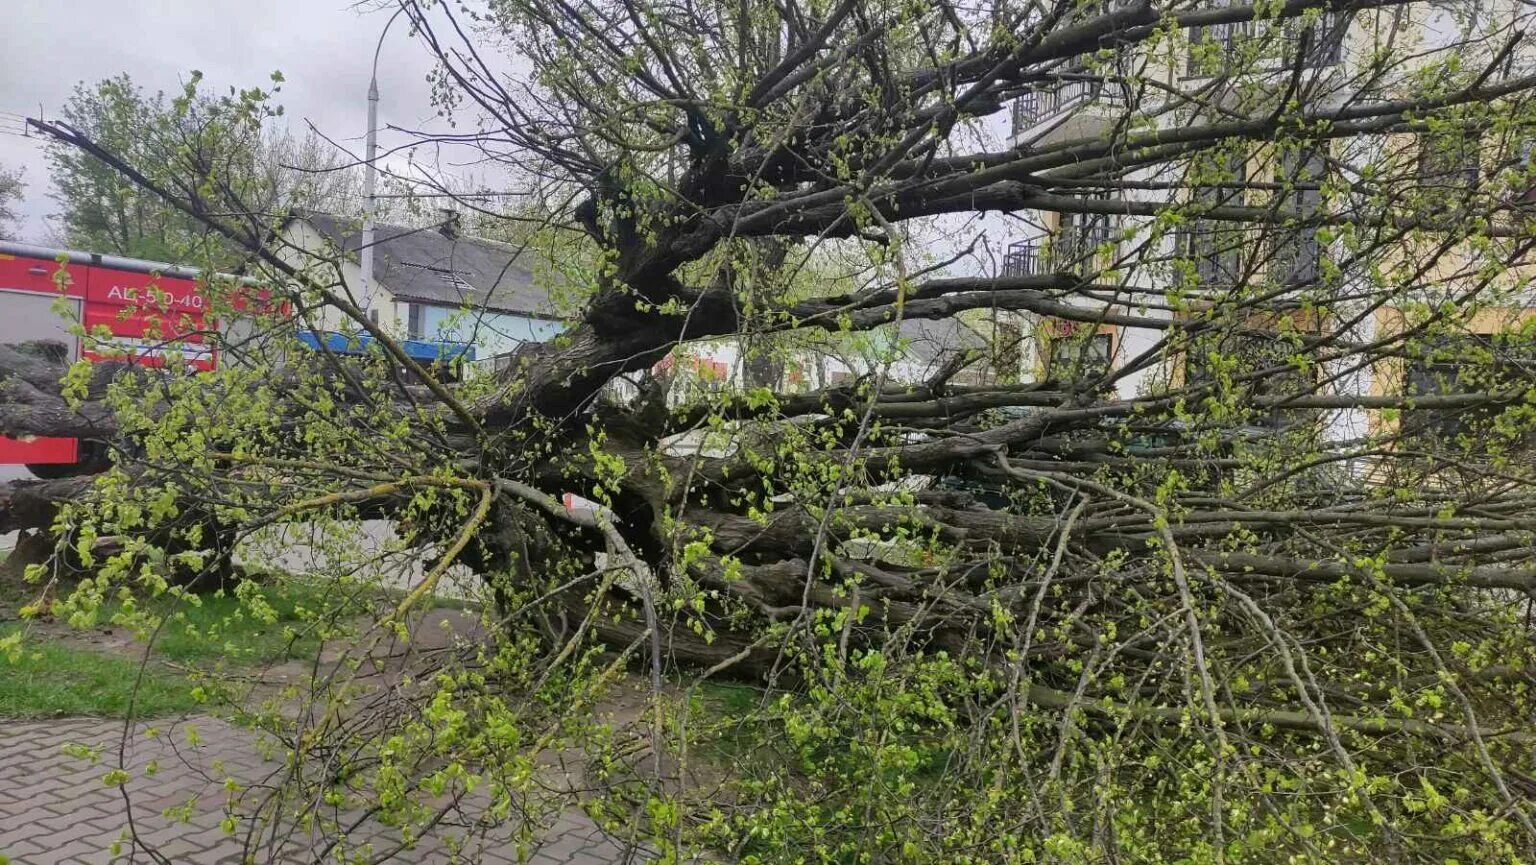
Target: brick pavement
[55, 807]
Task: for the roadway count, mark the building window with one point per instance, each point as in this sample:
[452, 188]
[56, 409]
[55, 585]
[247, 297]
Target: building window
[1479, 363]
[1427, 377]
[1078, 357]
[1220, 179]
[415, 326]
[1324, 40]
[1295, 250]
[1242, 357]
[1215, 249]
[1215, 246]
[1525, 166]
[1078, 242]
[1449, 160]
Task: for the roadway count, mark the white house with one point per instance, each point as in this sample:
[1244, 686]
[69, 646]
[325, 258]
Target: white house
[452, 296]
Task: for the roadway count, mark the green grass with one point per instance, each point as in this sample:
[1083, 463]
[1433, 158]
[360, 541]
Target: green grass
[733, 698]
[732, 714]
[220, 627]
[49, 679]
[53, 678]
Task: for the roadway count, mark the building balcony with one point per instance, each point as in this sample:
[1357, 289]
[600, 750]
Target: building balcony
[1081, 104]
[1025, 258]
[1319, 45]
[1075, 251]
[1037, 106]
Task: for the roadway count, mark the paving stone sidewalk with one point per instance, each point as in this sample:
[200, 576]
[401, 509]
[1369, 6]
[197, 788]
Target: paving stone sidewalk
[55, 808]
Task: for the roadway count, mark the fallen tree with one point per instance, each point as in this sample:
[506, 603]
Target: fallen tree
[1257, 589]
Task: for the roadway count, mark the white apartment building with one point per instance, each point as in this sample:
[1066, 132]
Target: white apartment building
[1156, 269]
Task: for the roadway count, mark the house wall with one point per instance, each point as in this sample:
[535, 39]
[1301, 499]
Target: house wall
[492, 333]
[309, 242]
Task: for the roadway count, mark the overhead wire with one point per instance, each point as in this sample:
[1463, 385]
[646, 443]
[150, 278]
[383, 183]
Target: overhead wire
[14, 124]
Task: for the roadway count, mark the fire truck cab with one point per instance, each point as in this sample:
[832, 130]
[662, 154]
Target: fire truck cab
[145, 310]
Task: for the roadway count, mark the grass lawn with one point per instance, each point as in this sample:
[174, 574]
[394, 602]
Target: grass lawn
[733, 715]
[55, 676]
[731, 698]
[50, 679]
[221, 627]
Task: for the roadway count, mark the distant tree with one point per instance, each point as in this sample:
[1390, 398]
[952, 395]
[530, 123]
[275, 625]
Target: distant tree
[184, 141]
[100, 210]
[10, 193]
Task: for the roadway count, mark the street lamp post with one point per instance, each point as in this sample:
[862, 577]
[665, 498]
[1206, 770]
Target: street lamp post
[369, 180]
[370, 171]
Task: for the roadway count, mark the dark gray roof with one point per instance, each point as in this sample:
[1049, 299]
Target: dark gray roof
[933, 338]
[427, 265]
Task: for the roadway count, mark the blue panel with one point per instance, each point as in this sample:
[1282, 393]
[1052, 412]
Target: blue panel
[419, 349]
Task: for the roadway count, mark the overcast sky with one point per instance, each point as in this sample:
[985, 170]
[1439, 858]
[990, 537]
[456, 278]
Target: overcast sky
[324, 49]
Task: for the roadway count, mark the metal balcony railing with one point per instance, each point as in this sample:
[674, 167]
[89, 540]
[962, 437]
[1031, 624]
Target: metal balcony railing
[1025, 258]
[1283, 44]
[1075, 250]
[1034, 107]
[1229, 254]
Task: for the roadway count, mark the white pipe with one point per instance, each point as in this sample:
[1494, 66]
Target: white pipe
[370, 170]
[370, 175]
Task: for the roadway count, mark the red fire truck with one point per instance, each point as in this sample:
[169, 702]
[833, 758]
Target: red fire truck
[142, 305]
